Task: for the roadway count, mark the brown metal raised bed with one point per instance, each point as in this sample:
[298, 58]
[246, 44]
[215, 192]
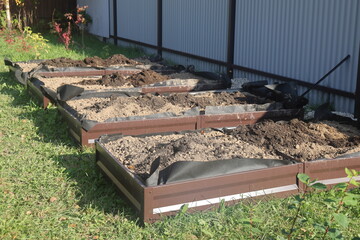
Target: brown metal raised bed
[332, 171]
[23, 76]
[33, 84]
[44, 98]
[87, 136]
[153, 202]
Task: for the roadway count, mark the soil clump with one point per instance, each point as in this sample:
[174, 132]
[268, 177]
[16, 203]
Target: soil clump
[142, 78]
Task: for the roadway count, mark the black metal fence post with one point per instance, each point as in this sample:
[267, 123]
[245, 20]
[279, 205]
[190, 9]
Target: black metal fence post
[357, 93]
[231, 38]
[115, 21]
[159, 26]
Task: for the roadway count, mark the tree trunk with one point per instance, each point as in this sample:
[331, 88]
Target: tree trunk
[8, 15]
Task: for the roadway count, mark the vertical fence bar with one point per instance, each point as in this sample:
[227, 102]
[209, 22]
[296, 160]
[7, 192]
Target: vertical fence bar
[115, 21]
[159, 26]
[231, 38]
[357, 93]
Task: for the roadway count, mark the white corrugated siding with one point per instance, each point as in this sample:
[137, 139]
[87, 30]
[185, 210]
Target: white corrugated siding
[301, 39]
[196, 26]
[99, 12]
[137, 20]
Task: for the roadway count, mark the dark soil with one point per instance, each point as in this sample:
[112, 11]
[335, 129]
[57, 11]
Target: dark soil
[117, 59]
[142, 78]
[283, 137]
[146, 77]
[64, 62]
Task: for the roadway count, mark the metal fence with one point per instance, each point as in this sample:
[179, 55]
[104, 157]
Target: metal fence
[278, 40]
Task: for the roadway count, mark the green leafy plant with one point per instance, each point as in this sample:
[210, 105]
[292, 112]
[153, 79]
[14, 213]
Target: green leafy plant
[38, 42]
[2, 19]
[335, 200]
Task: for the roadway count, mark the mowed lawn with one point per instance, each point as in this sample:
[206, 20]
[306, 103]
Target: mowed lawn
[51, 189]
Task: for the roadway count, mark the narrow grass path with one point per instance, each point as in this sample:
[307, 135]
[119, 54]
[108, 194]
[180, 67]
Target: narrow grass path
[51, 189]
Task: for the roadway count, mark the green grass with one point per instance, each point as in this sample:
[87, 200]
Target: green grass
[50, 189]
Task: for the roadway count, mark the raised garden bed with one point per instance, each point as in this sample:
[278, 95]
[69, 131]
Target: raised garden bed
[144, 81]
[59, 67]
[159, 173]
[94, 114]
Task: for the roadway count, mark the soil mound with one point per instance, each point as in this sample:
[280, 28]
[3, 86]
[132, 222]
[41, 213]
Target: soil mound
[113, 80]
[296, 139]
[64, 62]
[117, 59]
[142, 78]
[146, 77]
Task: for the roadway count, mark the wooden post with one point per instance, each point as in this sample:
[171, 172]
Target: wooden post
[8, 15]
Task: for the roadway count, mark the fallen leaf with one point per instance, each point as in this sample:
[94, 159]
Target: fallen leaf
[52, 199]
[72, 225]
[62, 218]
[28, 212]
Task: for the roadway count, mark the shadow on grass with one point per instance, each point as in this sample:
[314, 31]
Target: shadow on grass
[12, 88]
[93, 188]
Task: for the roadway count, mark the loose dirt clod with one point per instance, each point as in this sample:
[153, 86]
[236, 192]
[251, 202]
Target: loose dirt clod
[288, 140]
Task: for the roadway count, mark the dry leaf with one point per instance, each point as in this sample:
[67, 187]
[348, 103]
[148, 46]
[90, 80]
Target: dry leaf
[52, 199]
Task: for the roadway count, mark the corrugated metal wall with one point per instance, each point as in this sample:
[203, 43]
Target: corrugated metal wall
[302, 40]
[99, 12]
[137, 20]
[196, 26]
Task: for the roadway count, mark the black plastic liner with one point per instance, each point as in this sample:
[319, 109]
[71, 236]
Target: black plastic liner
[67, 92]
[210, 110]
[187, 171]
[20, 76]
[284, 92]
